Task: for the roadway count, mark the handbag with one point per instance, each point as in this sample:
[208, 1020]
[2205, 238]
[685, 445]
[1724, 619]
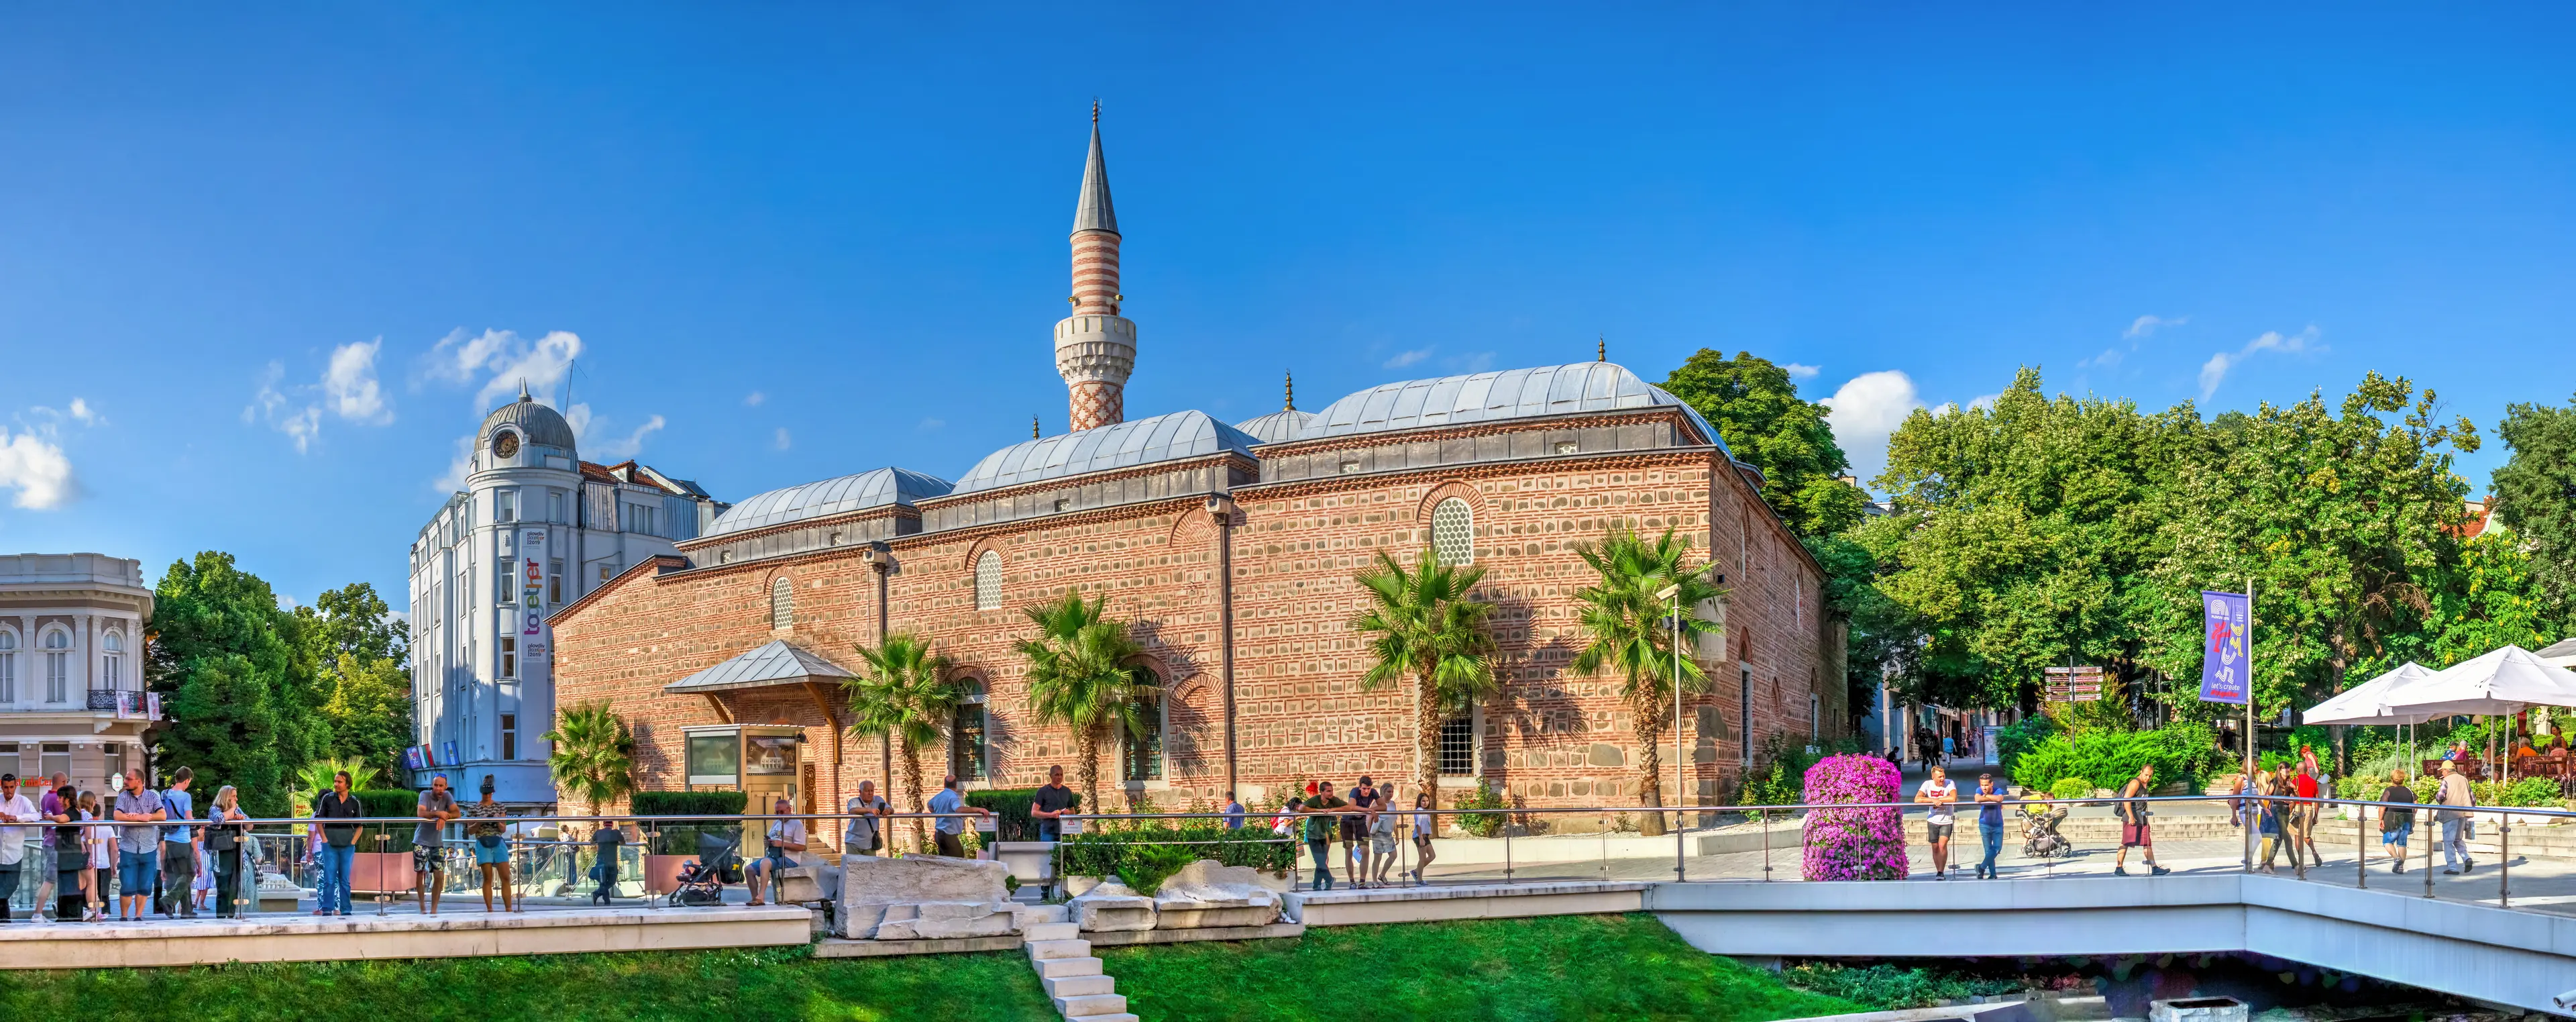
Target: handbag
[223, 839]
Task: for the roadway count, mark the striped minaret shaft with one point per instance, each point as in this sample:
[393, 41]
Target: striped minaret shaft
[1095, 347]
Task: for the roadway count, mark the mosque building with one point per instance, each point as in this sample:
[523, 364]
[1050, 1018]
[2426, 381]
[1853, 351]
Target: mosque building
[1231, 550]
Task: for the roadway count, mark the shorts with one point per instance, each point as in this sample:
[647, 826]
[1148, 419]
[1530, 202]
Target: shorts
[425, 859]
[1422, 842]
[1351, 830]
[1381, 844]
[496, 853]
[2135, 835]
[1936, 831]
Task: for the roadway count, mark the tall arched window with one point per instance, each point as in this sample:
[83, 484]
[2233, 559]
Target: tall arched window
[782, 603]
[988, 581]
[111, 661]
[1141, 756]
[966, 732]
[58, 644]
[8, 666]
[1453, 532]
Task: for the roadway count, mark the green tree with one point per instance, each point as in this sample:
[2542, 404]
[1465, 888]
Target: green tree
[1425, 626]
[1079, 676]
[367, 708]
[1631, 634]
[2490, 602]
[352, 677]
[1756, 408]
[223, 657]
[2535, 495]
[594, 757]
[903, 693]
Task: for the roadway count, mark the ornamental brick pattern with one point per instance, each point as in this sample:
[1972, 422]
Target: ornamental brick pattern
[1093, 403]
[1551, 738]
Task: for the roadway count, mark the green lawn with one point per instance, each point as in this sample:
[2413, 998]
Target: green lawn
[729, 985]
[1542, 970]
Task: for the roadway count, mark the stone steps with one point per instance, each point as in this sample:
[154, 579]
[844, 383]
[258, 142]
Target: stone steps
[1071, 975]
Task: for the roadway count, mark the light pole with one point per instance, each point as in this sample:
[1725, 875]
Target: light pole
[1671, 594]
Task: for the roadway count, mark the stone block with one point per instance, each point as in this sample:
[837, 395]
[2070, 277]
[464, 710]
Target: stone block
[916, 879]
[1041, 950]
[1058, 968]
[797, 885]
[1091, 1005]
[1078, 986]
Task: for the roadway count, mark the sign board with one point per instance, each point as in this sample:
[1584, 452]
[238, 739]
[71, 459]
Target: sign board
[1069, 826]
[532, 581]
[2078, 684]
[988, 823]
[1994, 757]
[2226, 665]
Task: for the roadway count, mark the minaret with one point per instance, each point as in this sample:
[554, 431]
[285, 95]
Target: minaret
[1095, 347]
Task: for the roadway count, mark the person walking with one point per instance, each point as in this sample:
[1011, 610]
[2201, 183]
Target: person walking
[489, 837]
[436, 809]
[786, 838]
[2312, 783]
[15, 809]
[338, 853]
[2455, 798]
[2267, 822]
[178, 847]
[138, 845]
[1233, 812]
[1048, 806]
[607, 840]
[949, 833]
[224, 841]
[1321, 821]
[1941, 793]
[1423, 831]
[1381, 835]
[2396, 824]
[2134, 832]
[864, 834]
[1990, 823]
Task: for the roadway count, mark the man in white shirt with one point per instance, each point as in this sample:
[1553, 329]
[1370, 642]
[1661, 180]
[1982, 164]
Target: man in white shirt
[1942, 794]
[14, 809]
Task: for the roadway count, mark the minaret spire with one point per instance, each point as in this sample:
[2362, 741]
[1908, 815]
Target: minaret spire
[1292, 392]
[1602, 354]
[1095, 347]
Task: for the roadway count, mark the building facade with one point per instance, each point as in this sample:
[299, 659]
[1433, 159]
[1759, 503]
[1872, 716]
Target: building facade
[72, 643]
[535, 528]
[1232, 551]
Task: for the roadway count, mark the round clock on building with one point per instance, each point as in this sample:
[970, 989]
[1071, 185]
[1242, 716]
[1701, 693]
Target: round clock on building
[505, 444]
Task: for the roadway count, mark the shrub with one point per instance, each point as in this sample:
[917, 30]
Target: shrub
[2019, 737]
[1480, 824]
[381, 802]
[1110, 853]
[2071, 788]
[1889, 986]
[681, 838]
[1853, 844]
[1012, 806]
[1147, 866]
[2181, 753]
[2527, 793]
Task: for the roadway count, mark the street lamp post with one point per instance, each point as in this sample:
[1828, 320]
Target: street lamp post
[1672, 594]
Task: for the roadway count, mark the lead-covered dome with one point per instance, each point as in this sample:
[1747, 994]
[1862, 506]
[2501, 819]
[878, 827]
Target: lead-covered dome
[874, 488]
[1495, 396]
[536, 423]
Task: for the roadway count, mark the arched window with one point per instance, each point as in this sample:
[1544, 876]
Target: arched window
[8, 666]
[966, 729]
[57, 664]
[988, 581]
[1453, 532]
[1141, 756]
[782, 603]
[111, 662]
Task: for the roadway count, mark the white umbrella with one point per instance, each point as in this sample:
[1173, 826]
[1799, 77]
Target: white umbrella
[2506, 681]
[2364, 703]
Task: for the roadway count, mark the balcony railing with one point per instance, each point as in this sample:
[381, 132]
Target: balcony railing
[125, 704]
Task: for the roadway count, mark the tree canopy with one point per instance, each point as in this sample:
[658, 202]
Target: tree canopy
[2535, 494]
[1756, 408]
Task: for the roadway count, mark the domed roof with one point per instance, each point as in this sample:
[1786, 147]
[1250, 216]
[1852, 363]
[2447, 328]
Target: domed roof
[1169, 437]
[875, 488]
[1284, 424]
[537, 423]
[1489, 397]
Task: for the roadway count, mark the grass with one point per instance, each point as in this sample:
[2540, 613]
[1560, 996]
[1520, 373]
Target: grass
[1551, 969]
[769, 983]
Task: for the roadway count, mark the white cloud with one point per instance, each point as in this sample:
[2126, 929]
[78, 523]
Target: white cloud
[1471, 363]
[1406, 358]
[2108, 359]
[782, 436]
[1801, 372]
[755, 398]
[2146, 326]
[505, 360]
[620, 449]
[34, 465]
[350, 384]
[2214, 371]
[82, 414]
[1986, 401]
[1866, 411]
[931, 424]
[457, 469]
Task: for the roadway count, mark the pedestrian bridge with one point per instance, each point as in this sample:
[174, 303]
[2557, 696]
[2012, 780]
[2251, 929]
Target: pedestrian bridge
[2519, 958]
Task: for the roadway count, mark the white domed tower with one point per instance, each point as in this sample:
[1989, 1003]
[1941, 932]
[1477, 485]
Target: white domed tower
[1095, 347]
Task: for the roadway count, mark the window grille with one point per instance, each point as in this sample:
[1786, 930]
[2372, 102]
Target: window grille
[782, 603]
[988, 581]
[1458, 746]
[1141, 756]
[1453, 532]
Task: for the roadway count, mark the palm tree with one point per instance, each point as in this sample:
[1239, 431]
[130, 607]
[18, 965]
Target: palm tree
[1631, 631]
[1424, 627]
[314, 778]
[904, 694]
[1078, 677]
[594, 755]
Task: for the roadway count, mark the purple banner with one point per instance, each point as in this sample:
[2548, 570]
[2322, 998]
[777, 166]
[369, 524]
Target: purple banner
[2226, 665]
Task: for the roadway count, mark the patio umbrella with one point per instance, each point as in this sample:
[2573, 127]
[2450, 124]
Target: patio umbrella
[2501, 683]
[2364, 703]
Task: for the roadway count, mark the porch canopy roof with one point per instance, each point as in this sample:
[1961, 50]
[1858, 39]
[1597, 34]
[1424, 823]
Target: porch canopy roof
[777, 663]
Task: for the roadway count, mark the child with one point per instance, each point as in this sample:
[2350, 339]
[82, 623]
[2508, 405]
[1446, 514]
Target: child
[101, 842]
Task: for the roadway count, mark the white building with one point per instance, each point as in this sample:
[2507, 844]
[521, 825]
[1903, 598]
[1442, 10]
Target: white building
[535, 529]
[71, 666]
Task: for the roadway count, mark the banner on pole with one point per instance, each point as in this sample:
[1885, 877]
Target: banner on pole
[2226, 665]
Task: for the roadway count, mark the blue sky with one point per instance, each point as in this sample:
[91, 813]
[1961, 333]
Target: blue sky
[259, 272]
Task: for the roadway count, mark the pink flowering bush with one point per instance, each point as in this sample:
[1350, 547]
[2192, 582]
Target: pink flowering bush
[1854, 844]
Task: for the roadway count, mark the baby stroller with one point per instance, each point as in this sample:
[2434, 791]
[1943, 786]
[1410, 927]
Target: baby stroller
[703, 879]
[2039, 832]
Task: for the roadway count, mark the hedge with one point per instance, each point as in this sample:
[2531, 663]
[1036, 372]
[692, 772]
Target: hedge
[2181, 753]
[1012, 805]
[682, 838]
[1116, 853]
[381, 802]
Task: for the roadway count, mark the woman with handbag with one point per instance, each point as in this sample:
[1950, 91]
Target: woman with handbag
[491, 847]
[224, 838]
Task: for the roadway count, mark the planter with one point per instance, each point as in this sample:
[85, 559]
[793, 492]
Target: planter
[662, 872]
[382, 872]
